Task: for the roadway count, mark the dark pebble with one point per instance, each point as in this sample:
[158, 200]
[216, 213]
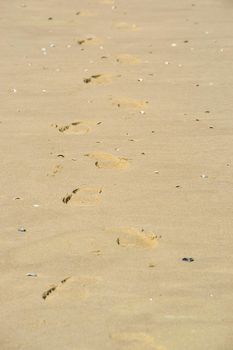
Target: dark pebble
[188, 259]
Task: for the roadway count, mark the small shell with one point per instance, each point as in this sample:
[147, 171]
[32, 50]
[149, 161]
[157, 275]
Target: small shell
[22, 229]
[31, 274]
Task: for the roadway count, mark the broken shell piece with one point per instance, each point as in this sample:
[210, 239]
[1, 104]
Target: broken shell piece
[22, 229]
[31, 274]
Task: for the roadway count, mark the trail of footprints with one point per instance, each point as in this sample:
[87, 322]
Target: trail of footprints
[129, 237]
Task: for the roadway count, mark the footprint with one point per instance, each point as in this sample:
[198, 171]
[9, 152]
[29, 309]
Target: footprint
[99, 79]
[56, 169]
[108, 161]
[127, 26]
[77, 128]
[128, 59]
[80, 287]
[54, 287]
[134, 340]
[130, 103]
[83, 196]
[133, 237]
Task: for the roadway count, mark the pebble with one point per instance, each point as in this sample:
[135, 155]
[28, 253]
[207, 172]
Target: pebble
[142, 112]
[203, 176]
[36, 205]
[173, 44]
[188, 259]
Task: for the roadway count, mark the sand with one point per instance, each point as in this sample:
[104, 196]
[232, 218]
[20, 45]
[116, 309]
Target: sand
[116, 163]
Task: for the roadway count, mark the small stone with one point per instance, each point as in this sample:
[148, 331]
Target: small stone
[36, 205]
[188, 259]
[173, 44]
[203, 176]
[142, 112]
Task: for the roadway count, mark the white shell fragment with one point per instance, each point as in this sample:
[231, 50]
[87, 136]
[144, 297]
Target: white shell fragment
[22, 229]
[31, 274]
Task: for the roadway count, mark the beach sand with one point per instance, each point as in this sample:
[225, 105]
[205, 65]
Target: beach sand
[116, 164]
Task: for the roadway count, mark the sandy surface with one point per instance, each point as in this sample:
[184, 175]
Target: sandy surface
[116, 158]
